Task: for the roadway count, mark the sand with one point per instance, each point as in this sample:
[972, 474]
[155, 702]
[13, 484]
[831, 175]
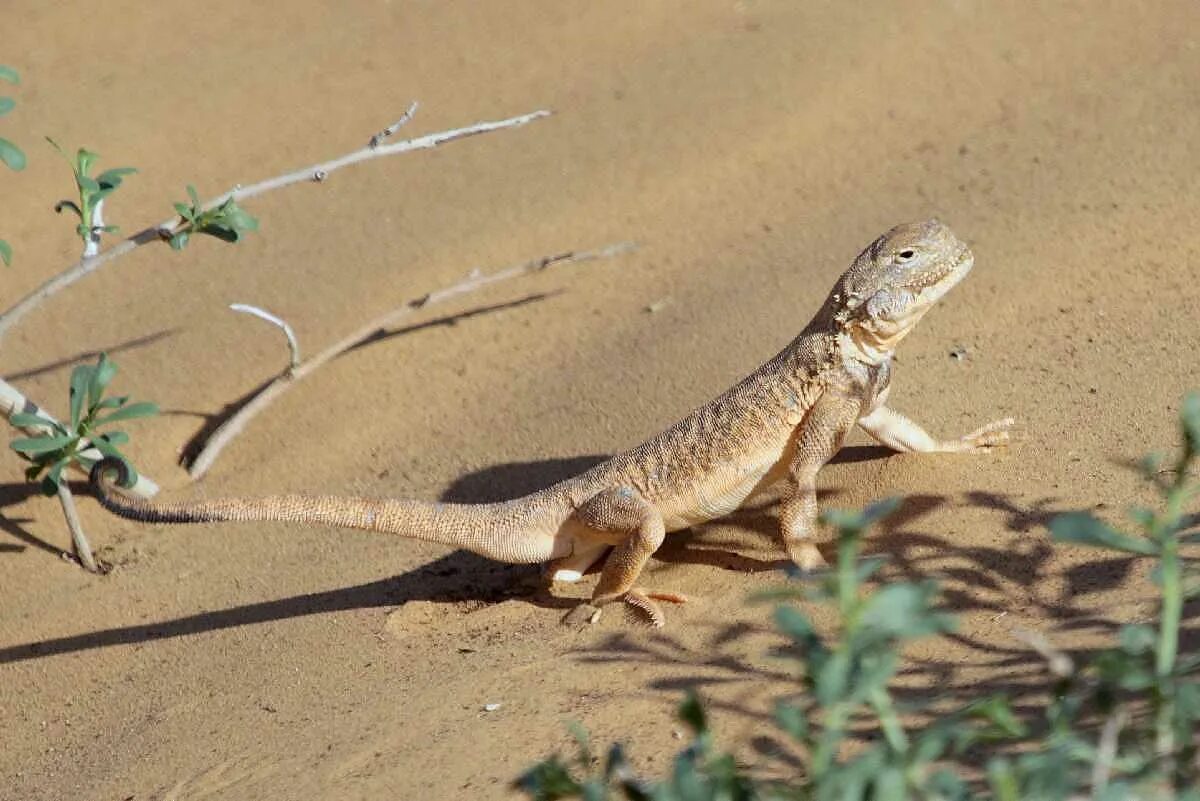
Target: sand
[750, 149]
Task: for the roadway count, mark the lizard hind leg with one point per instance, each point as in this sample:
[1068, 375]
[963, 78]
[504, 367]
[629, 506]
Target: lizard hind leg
[583, 555]
[638, 524]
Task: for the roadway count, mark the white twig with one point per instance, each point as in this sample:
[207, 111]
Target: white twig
[91, 245]
[1059, 663]
[263, 314]
[82, 549]
[12, 402]
[378, 138]
[318, 172]
[225, 433]
[1106, 749]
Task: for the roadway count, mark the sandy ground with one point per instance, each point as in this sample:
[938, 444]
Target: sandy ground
[750, 149]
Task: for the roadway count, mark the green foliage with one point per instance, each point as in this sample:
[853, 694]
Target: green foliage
[92, 190]
[226, 221]
[61, 445]
[1122, 726]
[10, 154]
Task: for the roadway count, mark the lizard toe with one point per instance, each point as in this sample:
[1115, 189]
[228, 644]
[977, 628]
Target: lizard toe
[581, 615]
[642, 602]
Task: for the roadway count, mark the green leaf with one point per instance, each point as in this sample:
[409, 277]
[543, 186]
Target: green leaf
[795, 624]
[112, 178]
[84, 159]
[792, 719]
[101, 376]
[185, 211]
[81, 376]
[868, 567]
[195, 198]
[101, 194]
[88, 185]
[32, 445]
[133, 410]
[832, 677]
[113, 402]
[28, 420]
[7, 104]
[5, 253]
[11, 155]
[54, 477]
[222, 233]
[179, 241]
[691, 712]
[9, 74]
[113, 437]
[108, 449]
[1137, 639]
[901, 610]
[1142, 516]
[1084, 529]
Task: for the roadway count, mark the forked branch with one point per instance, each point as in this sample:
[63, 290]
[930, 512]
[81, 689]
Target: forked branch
[225, 433]
[317, 172]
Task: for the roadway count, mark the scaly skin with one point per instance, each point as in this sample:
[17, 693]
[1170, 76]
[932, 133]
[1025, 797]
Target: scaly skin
[783, 421]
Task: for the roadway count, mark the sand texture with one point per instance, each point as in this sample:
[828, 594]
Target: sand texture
[750, 149]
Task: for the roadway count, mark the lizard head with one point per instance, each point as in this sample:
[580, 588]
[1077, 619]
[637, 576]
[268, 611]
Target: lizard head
[896, 280]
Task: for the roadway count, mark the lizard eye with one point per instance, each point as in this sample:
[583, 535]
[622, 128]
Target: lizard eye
[905, 255]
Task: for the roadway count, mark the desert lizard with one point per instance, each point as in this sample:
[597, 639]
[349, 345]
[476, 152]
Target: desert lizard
[783, 421]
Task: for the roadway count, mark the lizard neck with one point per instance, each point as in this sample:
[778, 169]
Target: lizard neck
[868, 347]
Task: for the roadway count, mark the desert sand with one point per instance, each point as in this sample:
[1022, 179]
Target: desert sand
[750, 149]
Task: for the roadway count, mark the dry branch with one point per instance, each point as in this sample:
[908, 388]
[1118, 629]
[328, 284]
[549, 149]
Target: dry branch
[225, 433]
[317, 172]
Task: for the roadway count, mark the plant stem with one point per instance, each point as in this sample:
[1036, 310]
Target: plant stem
[82, 549]
[888, 720]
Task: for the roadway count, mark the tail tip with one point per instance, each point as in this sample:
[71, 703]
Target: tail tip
[103, 470]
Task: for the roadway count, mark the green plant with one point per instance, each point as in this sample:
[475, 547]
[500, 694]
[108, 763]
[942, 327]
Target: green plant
[92, 191]
[1121, 727]
[226, 221]
[10, 154]
[65, 444]
[846, 680]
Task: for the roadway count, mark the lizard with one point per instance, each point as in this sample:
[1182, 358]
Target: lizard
[781, 423]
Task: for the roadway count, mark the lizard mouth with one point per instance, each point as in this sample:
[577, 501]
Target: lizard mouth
[932, 285]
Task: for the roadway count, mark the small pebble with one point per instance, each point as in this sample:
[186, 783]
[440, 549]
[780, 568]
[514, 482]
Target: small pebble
[490, 707]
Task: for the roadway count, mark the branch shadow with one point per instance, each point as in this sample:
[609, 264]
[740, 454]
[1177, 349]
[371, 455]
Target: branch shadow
[11, 495]
[88, 355]
[195, 444]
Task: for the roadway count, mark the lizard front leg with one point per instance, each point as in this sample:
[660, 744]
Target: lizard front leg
[897, 432]
[639, 530]
[821, 433]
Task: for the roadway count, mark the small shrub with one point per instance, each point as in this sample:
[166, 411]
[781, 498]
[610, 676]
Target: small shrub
[1121, 727]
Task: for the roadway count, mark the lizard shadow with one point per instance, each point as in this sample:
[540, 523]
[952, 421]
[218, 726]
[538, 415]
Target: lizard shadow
[455, 578]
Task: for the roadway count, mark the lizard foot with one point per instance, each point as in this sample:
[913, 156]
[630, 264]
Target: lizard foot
[807, 557]
[640, 599]
[581, 614]
[643, 601]
[985, 438]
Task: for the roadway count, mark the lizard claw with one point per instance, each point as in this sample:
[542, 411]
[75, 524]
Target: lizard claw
[807, 557]
[985, 438]
[581, 615]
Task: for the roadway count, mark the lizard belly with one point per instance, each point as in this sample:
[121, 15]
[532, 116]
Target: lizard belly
[714, 501]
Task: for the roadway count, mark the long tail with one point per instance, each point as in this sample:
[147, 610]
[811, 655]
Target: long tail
[519, 532]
